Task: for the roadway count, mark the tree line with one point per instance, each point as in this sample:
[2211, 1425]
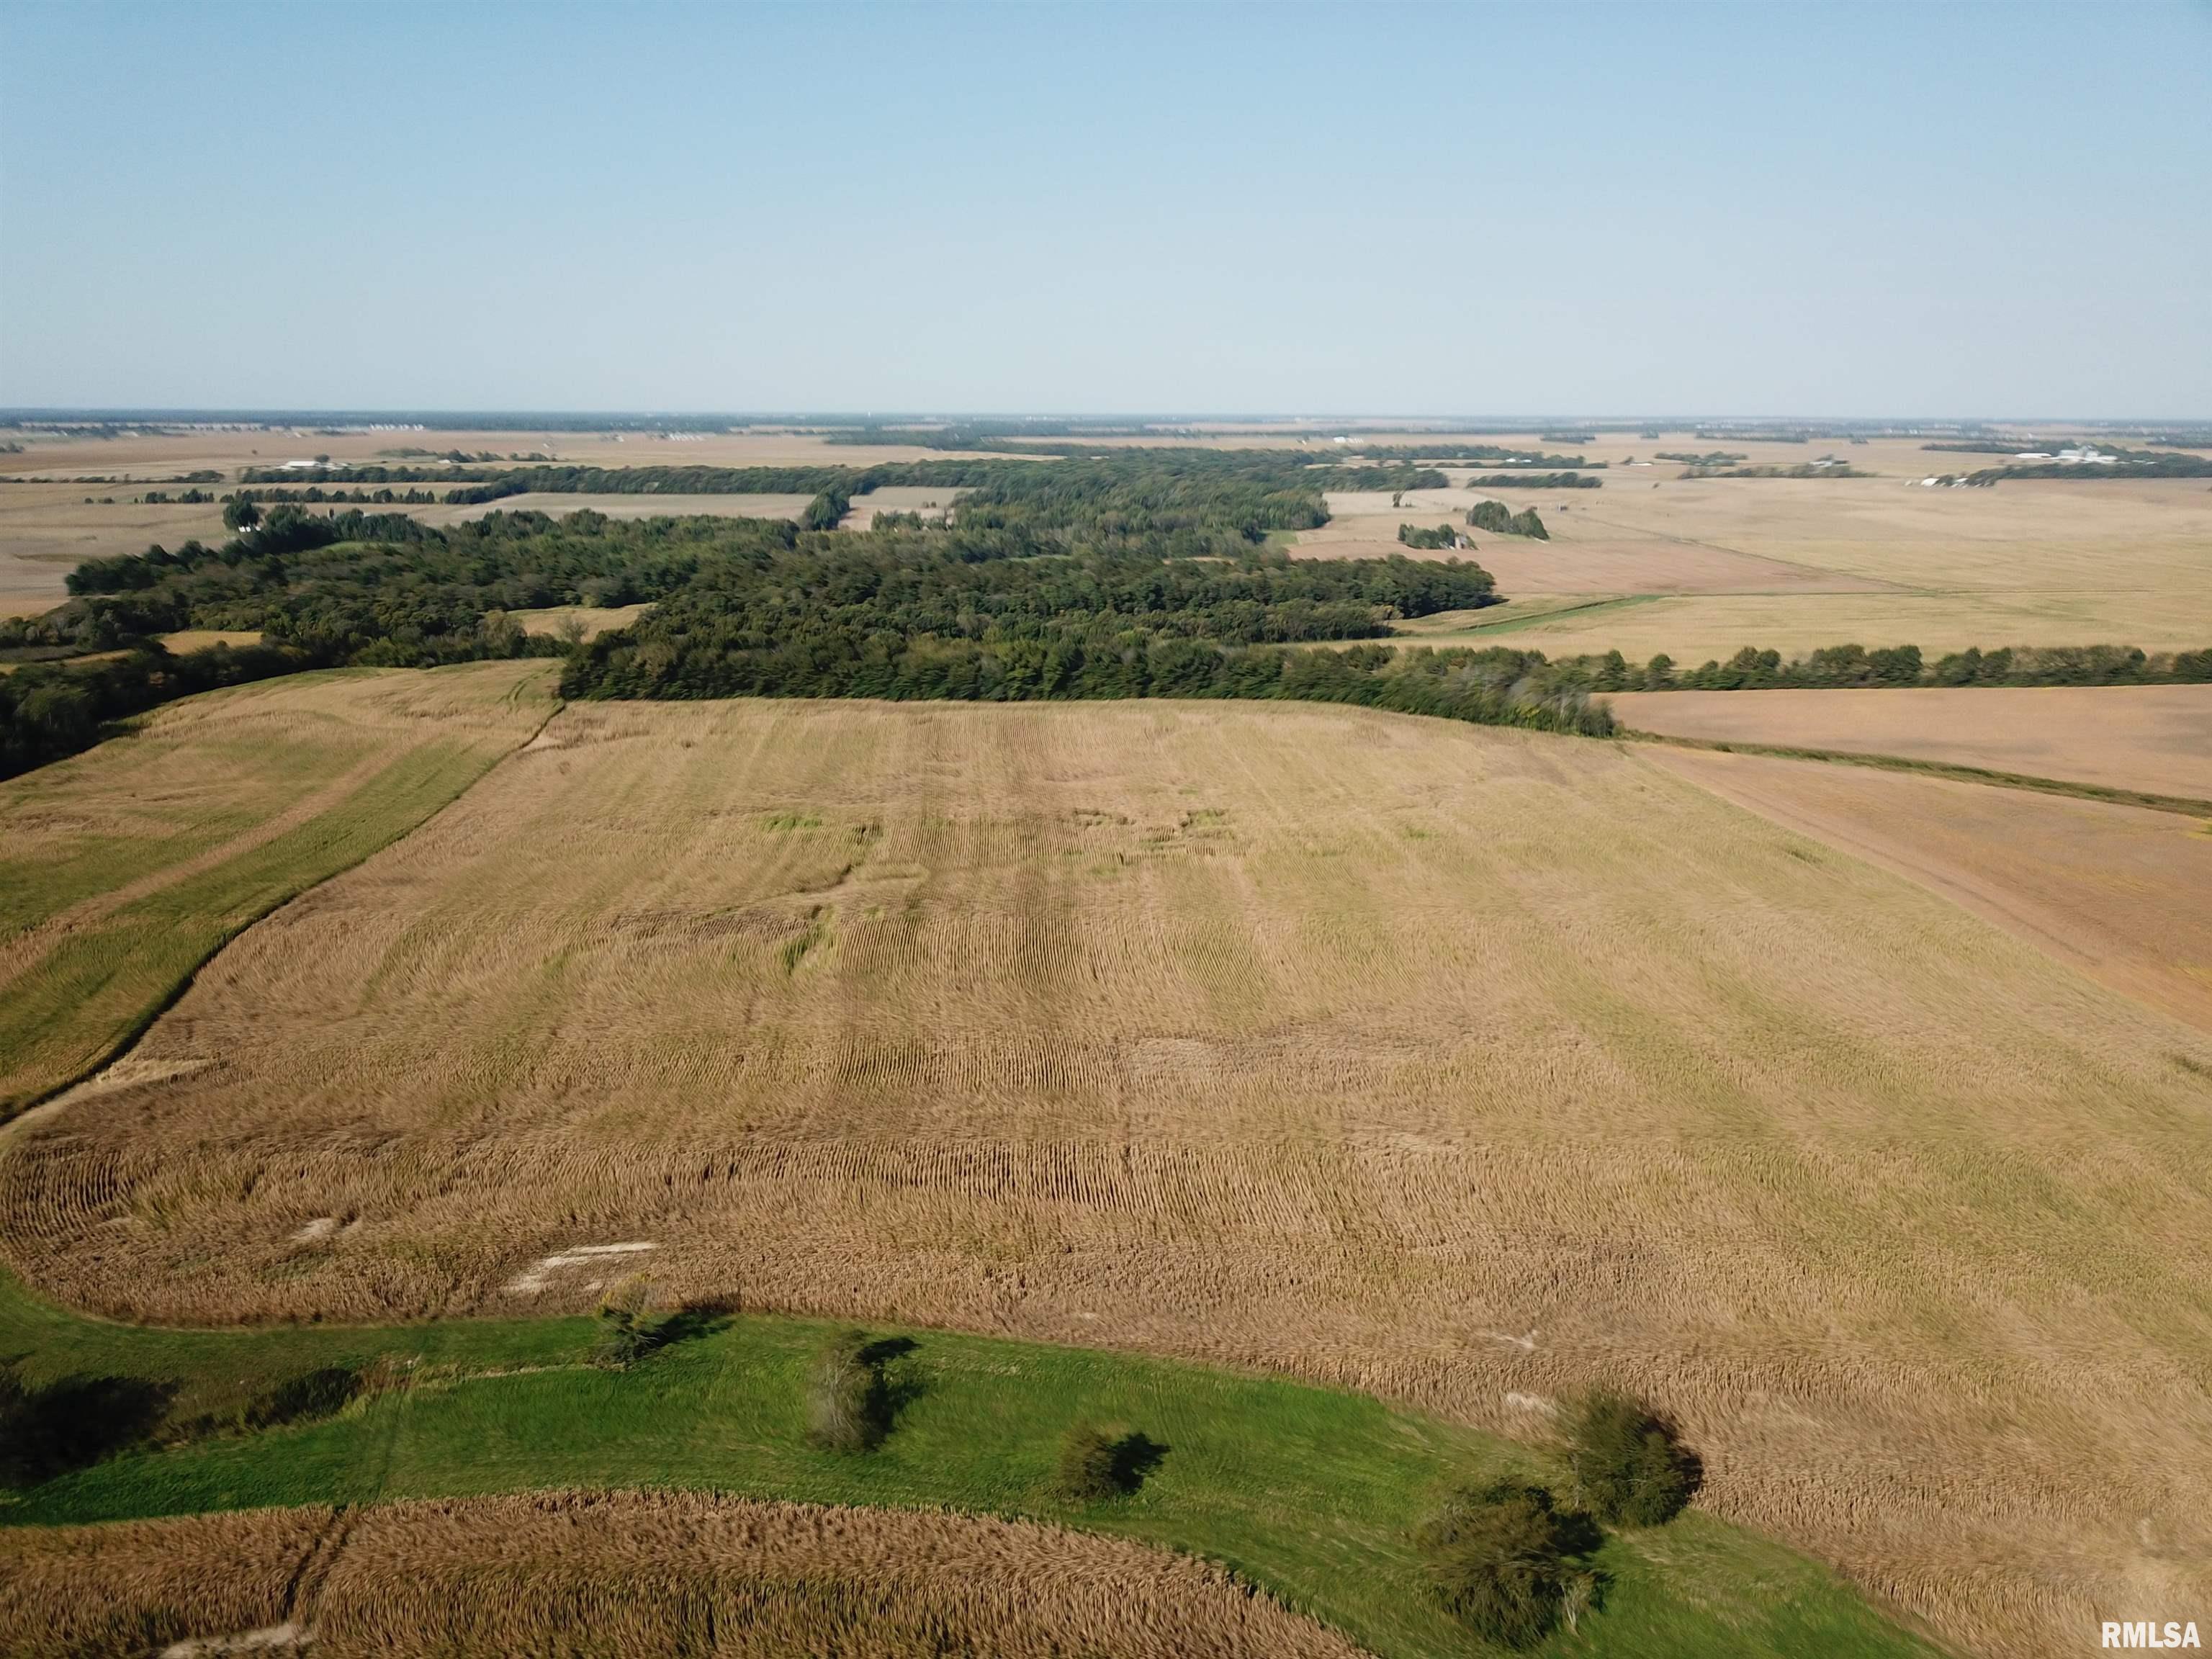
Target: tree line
[1848, 665]
[2132, 463]
[1536, 481]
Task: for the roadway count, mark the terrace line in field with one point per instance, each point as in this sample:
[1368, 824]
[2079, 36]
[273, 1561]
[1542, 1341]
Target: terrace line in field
[2152, 737]
[121, 868]
[1289, 1035]
[2123, 893]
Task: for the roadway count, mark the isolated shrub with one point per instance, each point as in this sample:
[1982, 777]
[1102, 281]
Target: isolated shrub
[849, 1400]
[1087, 1471]
[628, 1330]
[621, 1341]
[1498, 1558]
[1629, 1468]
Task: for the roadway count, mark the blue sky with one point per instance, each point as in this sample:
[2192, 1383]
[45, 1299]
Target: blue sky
[1636, 207]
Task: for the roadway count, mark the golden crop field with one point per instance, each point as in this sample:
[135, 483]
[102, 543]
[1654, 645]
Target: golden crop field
[638, 1574]
[1711, 565]
[121, 868]
[2156, 739]
[138, 1586]
[2123, 893]
[1461, 1065]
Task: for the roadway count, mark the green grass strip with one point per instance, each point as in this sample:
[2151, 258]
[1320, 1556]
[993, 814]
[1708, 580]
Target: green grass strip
[1305, 1491]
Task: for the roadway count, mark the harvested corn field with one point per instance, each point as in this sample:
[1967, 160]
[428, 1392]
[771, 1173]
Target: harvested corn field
[135, 1587]
[2124, 893]
[2154, 738]
[1451, 1064]
[121, 868]
[635, 1574]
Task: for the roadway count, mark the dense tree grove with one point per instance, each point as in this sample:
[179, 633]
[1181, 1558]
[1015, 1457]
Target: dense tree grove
[1443, 535]
[382, 588]
[908, 614]
[1141, 575]
[827, 510]
[1496, 517]
[315, 494]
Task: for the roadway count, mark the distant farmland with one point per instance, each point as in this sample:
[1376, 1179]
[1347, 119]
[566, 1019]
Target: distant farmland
[1462, 1066]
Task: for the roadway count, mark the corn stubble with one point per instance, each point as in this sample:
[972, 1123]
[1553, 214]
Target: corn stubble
[637, 1574]
[1448, 1064]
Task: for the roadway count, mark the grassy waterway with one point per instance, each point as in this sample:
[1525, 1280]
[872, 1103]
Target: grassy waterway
[1307, 1491]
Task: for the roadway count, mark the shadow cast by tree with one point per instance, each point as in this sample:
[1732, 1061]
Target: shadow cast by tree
[73, 1422]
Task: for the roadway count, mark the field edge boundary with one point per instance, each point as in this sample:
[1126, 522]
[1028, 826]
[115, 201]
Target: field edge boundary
[1952, 771]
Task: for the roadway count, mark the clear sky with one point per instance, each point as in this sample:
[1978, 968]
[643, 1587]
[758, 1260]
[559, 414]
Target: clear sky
[1988, 210]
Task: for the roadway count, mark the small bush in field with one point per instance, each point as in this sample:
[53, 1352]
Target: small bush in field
[1498, 1558]
[848, 1403]
[1088, 1465]
[1630, 1470]
[628, 1329]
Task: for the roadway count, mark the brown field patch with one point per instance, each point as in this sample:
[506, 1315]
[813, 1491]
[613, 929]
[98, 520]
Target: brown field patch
[560, 505]
[200, 639]
[47, 530]
[925, 500]
[637, 1574]
[1584, 555]
[2156, 738]
[593, 619]
[1301, 1037]
[2123, 893]
[134, 1586]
